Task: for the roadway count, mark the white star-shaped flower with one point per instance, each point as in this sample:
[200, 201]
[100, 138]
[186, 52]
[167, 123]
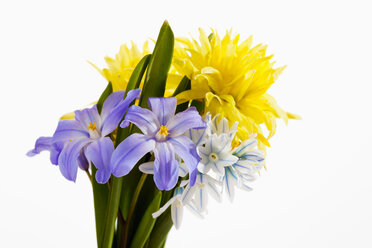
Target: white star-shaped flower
[216, 154]
[198, 194]
[177, 208]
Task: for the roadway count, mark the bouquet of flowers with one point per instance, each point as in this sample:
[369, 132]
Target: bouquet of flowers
[173, 128]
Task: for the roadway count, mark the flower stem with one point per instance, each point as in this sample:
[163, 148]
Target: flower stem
[131, 209]
[112, 212]
[89, 175]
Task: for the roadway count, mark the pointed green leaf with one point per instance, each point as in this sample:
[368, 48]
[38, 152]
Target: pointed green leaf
[133, 83]
[185, 84]
[100, 197]
[160, 231]
[122, 133]
[199, 105]
[160, 62]
[103, 97]
[147, 223]
[100, 191]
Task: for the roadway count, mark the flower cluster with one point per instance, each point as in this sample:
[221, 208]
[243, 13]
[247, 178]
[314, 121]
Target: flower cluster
[193, 115]
[224, 165]
[78, 142]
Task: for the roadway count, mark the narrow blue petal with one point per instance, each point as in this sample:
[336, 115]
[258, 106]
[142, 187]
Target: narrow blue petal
[129, 152]
[116, 114]
[111, 102]
[165, 166]
[99, 152]
[143, 118]
[246, 144]
[68, 159]
[184, 121]
[164, 108]
[186, 149]
[69, 130]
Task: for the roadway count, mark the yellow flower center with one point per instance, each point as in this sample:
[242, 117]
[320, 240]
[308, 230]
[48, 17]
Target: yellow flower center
[213, 157]
[92, 126]
[163, 130]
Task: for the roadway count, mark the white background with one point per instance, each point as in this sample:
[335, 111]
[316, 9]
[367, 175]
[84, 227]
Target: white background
[318, 187]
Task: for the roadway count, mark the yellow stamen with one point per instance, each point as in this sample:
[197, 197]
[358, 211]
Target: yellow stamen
[163, 130]
[92, 126]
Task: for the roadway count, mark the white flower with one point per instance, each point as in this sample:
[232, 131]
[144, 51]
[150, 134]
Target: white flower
[177, 208]
[246, 169]
[216, 154]
[199, 136]
[198, 194]
[222, 127]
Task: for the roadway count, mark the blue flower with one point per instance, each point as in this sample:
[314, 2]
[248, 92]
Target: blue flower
[78, 142]
[163, 134]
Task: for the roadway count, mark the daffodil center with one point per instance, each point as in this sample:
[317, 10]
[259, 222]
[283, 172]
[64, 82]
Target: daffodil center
[94, 133]
[213, 157]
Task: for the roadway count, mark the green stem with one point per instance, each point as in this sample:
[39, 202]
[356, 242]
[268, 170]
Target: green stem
[131, 209]
[112, 212]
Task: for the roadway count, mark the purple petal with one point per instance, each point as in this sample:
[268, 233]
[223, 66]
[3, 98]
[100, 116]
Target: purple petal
[111, 102]
[46, 144]
[116, 114]
[68, 159]
[181, 122]
[55, 152]
[99, 152]
[129, 152]
[41, 144]
[69, 130]
[87, 116]
[82, 161]
[143, 118]
[186, 149]
[164, 108]
[165, 166]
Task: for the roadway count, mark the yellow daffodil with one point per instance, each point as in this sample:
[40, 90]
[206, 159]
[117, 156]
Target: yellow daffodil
[121, 67]
[232, 79]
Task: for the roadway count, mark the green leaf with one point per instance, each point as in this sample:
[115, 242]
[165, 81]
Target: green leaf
[100, 196]
[136, 77]
[199, 105]
[185, 84]
[147, 223]
[160, 62]
[112, 212]
[100, 191]
[160, 231]
[133, 83]
[130, 182]
[115, 191]
[103, 97]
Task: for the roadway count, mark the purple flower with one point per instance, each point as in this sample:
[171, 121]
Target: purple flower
[163, 134]
[78, 142]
